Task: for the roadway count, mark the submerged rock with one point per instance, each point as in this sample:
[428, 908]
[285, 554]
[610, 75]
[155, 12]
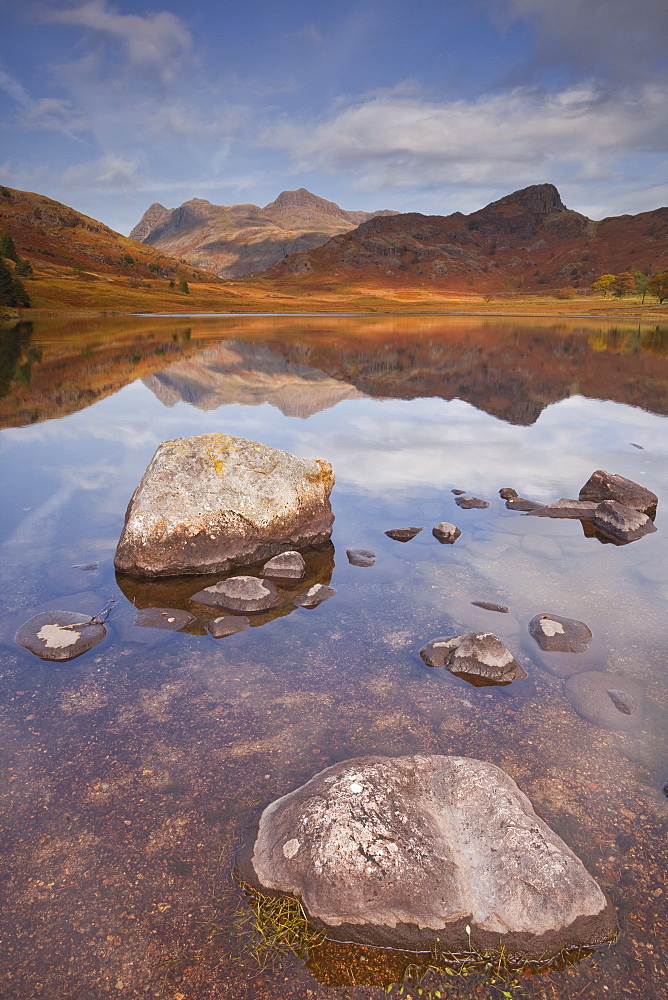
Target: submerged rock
[226, 625]
[240, 593]
[287, 566]
[361, 557]
[471, 503]
[408, 851]
[624, 523]
[560, 635]
[445, 532]
[403, 534]
[60, 635]
[478, 657]
[209, 503]
[603, 485]
[611, 701]
[314, 596]
[169, 618]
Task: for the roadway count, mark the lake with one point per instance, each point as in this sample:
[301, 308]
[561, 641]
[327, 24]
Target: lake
[132, 773]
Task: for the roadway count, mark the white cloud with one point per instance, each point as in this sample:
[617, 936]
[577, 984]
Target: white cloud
[109, 171]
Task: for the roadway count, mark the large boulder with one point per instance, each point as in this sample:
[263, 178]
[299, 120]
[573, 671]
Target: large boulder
[603, 485]
[407, 851]
[209, 503]
[622, 522]
[478, 657]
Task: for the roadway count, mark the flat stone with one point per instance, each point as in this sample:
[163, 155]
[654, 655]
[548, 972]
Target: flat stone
[519, 503]
[240, 593]
[209, 503]
[286, 565]
[490, 606]
[581, 509]
[314, 596]
[471, 503]
[478, 657]
[410, 851]
[169, 618]
[610, 701]
[603, 485]
[621, 522]
[458, 493]
[556, 634]
[226, 625]
[445, 532]
[507, 492]
[403, 534]
[59, 635]
[361, 557]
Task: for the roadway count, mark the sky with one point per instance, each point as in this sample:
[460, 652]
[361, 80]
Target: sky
[430, 106]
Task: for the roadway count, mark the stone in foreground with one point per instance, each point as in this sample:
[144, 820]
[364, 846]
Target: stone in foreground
[471, 503]
[603, 485]
[404, 852]
[226, 625]
[361, 557]
[491, 606]
[169, 618]
[209, 503]
[60, 635]
[403, 534]
[286, 566]
[610, 701]
[477, 657]
[445, 532]
[314, 596]
[560, 635]
[621, 522]
[240, 593]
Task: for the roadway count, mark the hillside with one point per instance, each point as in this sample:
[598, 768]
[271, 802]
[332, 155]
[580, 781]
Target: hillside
[527, 241]
[234, 240]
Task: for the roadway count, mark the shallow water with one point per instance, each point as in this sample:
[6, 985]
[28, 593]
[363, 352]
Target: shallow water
[131, 773]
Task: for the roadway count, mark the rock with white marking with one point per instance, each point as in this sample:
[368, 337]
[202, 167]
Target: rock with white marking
[210, 503]
[621, 522]
[445, 532]
[287, 566]
[478, 657]
[314, 596]
[240, 593]
[168, 618]
[520, 503]
[471, 503]
[557, 634]
[226, 625]
[60, 635]
[361, 557]
[610, 701]
[603, 485]
[404, 852]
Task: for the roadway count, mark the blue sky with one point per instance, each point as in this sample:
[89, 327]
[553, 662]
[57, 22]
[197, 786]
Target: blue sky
[430, 106]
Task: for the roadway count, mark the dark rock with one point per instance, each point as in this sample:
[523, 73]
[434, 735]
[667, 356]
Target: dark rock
[519, 503]
[209, 503]
[608, 700]
[446, 533]
[603, 485]
[478, 657]
[665, 788]
[60, 635]
[411, 851]
[240, 593]
[471, 503]
[287, 566]
[403, 534]
[621, 522]
[361, 557]
[490, 606]
[507, 492]
[314, 596]
[458, 493]
[169, 618]
[226, 625]
[566, 508]
[634, 445]
[560, 635]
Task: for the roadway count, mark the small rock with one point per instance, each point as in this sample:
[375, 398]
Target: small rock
[634, 445]
[226, 625]
[240, 593]
[471, 503]
[608, 700]
[519, 503]
[560, 635]
[478, 657]
[458, 493]
[507, 492]
[59, 635]
[603, 485]
[287, 566]
[403, 534]
[490, 606]
[622, 522]
[314, 596]
[361, 557]
[169, 618]
[445, 532]
[582, 509]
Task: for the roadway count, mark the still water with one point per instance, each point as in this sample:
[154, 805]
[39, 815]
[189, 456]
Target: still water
[130, 774]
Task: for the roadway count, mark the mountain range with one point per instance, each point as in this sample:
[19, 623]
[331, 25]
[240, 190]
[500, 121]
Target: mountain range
[233, 240]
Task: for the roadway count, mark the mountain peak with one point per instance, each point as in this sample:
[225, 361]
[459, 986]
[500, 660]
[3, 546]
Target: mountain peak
[289, 201]
[541, 199]
[151, 218]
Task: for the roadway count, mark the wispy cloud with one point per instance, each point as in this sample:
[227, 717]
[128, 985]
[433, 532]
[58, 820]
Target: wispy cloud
[49, 113]
[107, 172]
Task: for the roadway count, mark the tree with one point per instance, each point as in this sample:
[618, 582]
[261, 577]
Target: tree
[183, 287]
[602, 284]
[8, 247]
[641, 278]
[658, 285]
[23, 267]
[12, 292]
[623, 284]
